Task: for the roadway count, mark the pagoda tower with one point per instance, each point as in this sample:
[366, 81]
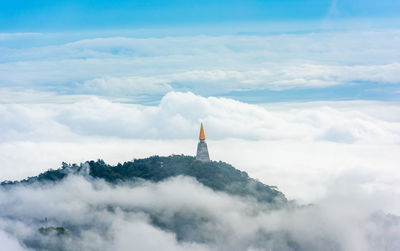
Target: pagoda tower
[202, 150]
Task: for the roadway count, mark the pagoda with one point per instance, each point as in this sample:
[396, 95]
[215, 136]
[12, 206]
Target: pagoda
[202, 150]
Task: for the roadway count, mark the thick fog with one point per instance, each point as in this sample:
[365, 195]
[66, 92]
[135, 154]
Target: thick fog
[182, 214]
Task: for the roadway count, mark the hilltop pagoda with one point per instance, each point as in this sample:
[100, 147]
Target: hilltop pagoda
[202, 150]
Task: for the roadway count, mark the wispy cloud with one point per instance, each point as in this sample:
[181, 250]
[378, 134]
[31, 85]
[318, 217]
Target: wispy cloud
[5, 36]
[119, 67]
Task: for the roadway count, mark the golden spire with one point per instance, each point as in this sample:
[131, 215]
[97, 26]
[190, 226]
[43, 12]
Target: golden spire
[202, 136]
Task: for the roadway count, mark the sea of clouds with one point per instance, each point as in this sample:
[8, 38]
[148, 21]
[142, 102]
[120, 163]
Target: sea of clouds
[340, 156]
[192, 217]
[308, 145]
[78, 97]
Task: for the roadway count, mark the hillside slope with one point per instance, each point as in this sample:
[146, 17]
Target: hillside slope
[219, 176]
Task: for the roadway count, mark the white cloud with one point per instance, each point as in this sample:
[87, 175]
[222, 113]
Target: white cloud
[301, 147]
[6, 36]
[119, 218]
[134, 86]
[208, 65]
[179, 114]
[9, 243]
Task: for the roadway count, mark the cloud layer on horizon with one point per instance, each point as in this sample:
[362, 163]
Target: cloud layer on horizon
[208, 65]
[179, 114]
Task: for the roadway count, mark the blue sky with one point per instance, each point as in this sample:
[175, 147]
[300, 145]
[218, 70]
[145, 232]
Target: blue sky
[84, 14]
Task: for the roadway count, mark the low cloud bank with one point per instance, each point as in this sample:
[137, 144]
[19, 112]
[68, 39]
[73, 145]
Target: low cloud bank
[181, 214]
[178, 116]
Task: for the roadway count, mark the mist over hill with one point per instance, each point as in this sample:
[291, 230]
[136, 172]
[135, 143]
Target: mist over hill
[177, 203]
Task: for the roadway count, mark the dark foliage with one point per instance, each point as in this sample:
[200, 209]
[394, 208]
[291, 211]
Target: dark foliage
[54, 230]
[219, 176]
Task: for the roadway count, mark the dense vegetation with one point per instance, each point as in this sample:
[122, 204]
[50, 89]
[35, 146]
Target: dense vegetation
[219, 176]
[54, 230]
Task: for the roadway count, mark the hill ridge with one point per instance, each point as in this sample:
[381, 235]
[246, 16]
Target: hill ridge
[219, 176]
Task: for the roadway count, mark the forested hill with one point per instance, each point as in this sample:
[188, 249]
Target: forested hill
[219, 176]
